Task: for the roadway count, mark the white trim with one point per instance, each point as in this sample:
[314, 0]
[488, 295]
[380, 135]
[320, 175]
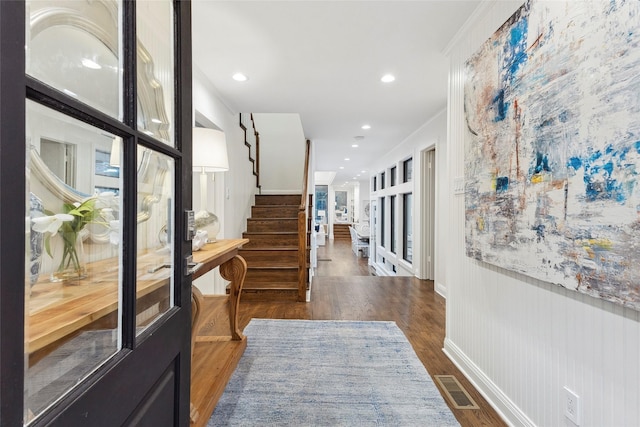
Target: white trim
[441, 290]
[464, 29]
[381, 271]
[507, 410]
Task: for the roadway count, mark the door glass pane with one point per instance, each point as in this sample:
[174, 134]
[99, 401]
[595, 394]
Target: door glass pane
[72, 312]
[407, 228]
[156, 76]
[74, 47]
[340, 204]
[322, 195]
[155, 248]
[392, 227]
[382, 222]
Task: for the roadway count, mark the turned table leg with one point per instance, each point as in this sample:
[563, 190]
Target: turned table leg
[234, 271]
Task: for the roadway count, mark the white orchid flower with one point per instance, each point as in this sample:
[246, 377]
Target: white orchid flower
[50, 224]
[114, 233]
[106, 199]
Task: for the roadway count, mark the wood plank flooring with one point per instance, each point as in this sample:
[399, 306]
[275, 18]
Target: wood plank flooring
[343, 289]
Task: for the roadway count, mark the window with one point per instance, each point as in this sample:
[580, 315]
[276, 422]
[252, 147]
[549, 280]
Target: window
[322, 195]
[407, 170]
[374, 183]
[407, 230]
[382, 181]
[382, 228]
[392, 202]
[393, 176]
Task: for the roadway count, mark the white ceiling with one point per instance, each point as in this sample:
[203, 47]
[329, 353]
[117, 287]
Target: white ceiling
[324, 60]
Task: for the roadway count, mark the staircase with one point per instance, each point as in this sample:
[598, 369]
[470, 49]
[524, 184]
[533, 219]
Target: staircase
[272, 251]
[341, 232]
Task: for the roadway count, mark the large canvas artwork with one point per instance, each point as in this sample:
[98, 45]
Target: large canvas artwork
[552, 152]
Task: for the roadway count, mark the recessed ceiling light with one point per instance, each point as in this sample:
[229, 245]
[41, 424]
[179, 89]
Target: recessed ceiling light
[354, 145]
[239, 77]
[341, 167]
[387, 78]
[347, 159]
[365, 127]
[91, 64]
[363, 171]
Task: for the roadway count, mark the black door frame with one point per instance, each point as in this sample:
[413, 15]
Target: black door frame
[156, 362]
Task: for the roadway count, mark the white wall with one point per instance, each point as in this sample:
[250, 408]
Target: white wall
[231, 194]
[519, 339]
[282, 152]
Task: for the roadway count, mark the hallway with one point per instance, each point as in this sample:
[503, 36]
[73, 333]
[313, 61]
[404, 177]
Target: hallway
[343, 289]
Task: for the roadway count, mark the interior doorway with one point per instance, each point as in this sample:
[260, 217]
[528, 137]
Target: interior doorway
[60, 158]
[427, 218]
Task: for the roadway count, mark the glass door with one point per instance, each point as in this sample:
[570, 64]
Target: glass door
[106, 300]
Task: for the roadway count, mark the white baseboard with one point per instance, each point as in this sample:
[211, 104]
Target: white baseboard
[381, 271]
[441, 290]
[508, 410]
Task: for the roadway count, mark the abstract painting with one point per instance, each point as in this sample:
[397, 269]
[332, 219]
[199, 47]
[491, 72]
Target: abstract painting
[552, 148]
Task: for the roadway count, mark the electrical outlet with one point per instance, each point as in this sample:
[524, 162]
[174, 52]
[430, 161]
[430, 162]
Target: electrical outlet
[572, 406]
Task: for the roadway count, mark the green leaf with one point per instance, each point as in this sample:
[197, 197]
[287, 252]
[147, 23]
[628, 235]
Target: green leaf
[47, 244]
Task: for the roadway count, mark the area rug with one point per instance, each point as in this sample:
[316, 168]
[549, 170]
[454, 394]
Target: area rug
[329, 373]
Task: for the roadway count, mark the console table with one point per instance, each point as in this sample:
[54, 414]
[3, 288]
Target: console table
[216, 340]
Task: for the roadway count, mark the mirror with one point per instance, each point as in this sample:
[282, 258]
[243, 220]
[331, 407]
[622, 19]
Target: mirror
[71, 46]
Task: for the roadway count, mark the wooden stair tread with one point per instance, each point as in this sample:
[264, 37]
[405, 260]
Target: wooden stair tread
[284, 218]
[294, 205]
[270, 285]
[276, 219]
[274, 266]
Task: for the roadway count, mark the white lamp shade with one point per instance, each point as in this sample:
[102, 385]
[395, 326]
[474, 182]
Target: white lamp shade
[209, 150]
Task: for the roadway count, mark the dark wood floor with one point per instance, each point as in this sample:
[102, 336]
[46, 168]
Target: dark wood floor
[343, 289]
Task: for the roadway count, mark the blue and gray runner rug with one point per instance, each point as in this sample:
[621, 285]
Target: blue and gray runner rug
[329, 373]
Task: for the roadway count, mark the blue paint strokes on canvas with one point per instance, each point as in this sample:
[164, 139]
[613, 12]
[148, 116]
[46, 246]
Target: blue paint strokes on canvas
[500, 106]
[539, 229]
[600, 168]
[542, 163]
[502, 184]
[564, 116]
[575, 163]
[515, 50]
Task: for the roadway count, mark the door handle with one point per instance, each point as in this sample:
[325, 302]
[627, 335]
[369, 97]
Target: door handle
[191, 267]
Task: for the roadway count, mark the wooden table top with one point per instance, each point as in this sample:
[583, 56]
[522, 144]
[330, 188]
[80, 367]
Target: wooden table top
[213, 254]
[57, 309]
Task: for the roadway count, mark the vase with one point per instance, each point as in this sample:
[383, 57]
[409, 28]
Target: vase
[35, 240]
[68, 263]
